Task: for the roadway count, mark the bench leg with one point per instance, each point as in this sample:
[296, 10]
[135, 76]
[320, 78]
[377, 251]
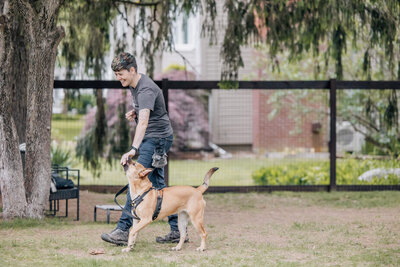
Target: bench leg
[108, 216]
[77, 207]
[66, 208]
[95, 210]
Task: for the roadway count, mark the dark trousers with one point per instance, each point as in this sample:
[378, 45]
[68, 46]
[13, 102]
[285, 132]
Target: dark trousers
[146, 151]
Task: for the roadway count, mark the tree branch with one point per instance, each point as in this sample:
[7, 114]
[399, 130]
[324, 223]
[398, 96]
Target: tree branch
[185, 60]
[371, 140]
[122, 14]
[365, 122]
[137, 3]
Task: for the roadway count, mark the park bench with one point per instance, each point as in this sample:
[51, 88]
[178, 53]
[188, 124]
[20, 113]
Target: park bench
[64, 193]
[60, 193]
[107, 208]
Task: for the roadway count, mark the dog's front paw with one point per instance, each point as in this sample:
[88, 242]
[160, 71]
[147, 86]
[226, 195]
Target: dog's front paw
[177, 248]
[126, 249]
[200, 249]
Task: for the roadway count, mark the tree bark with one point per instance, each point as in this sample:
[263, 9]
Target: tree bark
[11, 174]
[40, 41]
[19, 68]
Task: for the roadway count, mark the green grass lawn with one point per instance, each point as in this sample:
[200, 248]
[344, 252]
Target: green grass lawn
[231, 171]
[185, 172]
[64, 130]
[188, 172]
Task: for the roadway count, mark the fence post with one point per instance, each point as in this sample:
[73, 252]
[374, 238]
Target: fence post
[332, 142]
[164, 86]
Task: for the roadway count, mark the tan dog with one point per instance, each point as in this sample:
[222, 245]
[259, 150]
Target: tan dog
[186, 201]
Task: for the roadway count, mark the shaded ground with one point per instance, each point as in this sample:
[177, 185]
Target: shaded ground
[244, 230]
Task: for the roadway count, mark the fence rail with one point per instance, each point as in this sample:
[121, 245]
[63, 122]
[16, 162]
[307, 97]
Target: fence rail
[331, 85]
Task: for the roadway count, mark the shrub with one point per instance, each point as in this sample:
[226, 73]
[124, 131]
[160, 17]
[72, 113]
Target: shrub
[60, 157]
[317, 172]
[65, 117]
[301, 173]
[81, 102]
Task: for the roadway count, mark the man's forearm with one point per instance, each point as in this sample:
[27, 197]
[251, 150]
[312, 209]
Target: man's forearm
[141, 127]
[139, 133]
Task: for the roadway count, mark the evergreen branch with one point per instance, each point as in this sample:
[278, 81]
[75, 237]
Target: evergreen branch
[134, 27]
[154, 19]
[123, 16]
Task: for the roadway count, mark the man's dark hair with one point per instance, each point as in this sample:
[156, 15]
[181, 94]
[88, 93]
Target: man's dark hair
[123, 60]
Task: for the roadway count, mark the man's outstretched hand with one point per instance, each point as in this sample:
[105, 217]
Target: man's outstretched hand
[125, 157]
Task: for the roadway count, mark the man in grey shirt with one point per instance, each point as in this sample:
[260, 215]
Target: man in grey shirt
[152, 140]
[147, 95]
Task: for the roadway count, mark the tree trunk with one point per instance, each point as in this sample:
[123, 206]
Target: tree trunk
[11, 175]
[19, 68]
[27, 197]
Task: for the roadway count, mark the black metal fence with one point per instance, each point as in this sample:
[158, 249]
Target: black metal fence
[331, 85]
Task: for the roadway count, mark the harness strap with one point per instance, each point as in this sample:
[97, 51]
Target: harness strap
[160, 194]
[138, 200]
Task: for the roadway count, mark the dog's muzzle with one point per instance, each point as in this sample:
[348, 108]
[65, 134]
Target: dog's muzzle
[126, 167]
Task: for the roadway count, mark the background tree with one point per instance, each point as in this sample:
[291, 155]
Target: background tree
[87, 25]
[299, 27]
[27, 30]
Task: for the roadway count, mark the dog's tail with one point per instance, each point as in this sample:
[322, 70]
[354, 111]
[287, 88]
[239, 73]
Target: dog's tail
[202, 188]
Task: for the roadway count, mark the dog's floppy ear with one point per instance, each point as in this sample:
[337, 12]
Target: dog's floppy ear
[145, 172]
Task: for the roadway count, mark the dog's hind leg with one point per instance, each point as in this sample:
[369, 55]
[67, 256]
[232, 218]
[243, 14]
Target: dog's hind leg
[198, 223]
[183, 219]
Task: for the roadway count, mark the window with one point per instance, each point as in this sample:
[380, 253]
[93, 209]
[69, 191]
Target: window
[185, 31]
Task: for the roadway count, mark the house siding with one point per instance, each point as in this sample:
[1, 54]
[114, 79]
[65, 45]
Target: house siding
[232, 122]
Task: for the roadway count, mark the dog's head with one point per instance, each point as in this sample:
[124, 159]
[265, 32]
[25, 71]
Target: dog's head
[135, 170]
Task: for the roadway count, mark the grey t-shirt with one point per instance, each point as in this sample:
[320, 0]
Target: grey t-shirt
[147, 95]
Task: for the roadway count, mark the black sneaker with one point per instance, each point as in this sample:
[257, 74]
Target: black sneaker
[171, 237]
[117, 237]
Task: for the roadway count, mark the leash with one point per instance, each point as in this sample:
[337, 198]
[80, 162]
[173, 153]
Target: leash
[135, 202]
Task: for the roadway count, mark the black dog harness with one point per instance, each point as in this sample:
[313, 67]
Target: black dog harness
[135, 202]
